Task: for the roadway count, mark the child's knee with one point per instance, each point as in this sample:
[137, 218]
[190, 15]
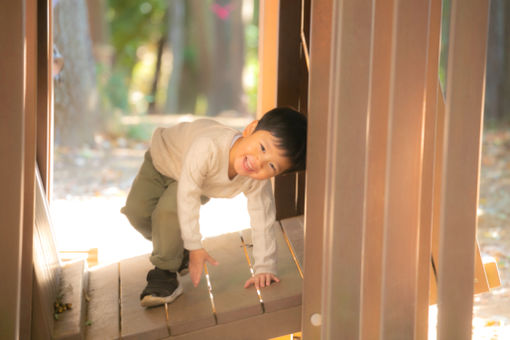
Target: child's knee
[140, 222]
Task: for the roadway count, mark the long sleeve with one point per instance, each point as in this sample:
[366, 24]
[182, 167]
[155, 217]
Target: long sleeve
[262, 212]
[194, 170]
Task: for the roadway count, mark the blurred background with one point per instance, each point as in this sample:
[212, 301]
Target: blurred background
[127, 67]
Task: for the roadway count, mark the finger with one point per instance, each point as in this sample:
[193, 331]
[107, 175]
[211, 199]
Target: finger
[256, 283]
[268, 280]
[211, 260]
[248, 283]
[275, 278]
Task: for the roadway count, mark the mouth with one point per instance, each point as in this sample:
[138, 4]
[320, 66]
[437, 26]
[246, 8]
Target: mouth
[247, 165]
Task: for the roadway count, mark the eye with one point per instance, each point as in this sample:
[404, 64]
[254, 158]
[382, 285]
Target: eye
[272, 167]
[262, 148]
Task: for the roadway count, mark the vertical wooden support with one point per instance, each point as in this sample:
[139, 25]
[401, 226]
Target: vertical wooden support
[268, 56]
[404, 169]
[29, 176]
[465, 89]
[429, 137]
[12, 111]
[291, 90]
[346, 168]
[376, 169]
[45, 91]
[320, 60]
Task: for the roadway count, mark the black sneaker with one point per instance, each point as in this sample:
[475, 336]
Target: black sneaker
[184, 268]
[162, 287]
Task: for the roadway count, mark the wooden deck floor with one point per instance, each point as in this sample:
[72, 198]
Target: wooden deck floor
[223, 310]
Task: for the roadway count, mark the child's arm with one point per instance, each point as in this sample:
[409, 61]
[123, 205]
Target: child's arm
[197, 259]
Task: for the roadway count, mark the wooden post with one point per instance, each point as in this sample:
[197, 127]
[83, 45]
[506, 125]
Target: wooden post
[12, 115]
[404, 169]
[376, 169]
[346, 146]
[320, 60]
[428, 175]
[462, 147]
[29, 164]
[45, 93]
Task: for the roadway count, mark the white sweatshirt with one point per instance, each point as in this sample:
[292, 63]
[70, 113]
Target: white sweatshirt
[196, 154]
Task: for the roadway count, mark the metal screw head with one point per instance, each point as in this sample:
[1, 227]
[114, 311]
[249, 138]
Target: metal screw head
[316, 319]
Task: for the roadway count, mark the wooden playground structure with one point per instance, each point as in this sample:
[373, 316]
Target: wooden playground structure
[382, 224]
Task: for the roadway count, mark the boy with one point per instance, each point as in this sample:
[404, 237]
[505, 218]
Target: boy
[189, 162]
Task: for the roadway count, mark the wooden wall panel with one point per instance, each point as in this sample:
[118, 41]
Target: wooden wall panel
[461, 162]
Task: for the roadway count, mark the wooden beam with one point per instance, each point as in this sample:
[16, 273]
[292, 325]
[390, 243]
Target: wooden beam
[346, 169]
[12, 139]
[462, 148]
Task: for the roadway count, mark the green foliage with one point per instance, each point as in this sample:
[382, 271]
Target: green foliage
[132, 24]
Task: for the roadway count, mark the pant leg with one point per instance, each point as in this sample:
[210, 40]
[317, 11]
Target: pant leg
[167, 242]
[144, 195]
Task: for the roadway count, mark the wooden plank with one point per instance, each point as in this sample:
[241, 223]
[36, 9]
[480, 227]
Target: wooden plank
[192, 310]
[136, 321]
[103, 308]
[464, 104]
[320, 60]
[263, 326]
[294, 229]
[70, 324]
[287, 293]
[232, 300]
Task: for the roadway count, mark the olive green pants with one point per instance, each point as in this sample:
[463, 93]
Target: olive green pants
[151, 208]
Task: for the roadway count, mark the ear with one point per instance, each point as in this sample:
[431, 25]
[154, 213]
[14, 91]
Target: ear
[248, 130]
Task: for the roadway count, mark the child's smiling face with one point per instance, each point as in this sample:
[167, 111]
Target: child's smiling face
[257, 155]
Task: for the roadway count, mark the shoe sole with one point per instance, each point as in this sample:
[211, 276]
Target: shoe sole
[153, 301]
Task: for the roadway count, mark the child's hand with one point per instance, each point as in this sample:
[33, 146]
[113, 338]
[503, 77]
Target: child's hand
[197, 259]
[261, 280]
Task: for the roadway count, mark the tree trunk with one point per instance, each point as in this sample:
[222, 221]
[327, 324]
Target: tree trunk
[225, 92]
[176, 38]
[76, 96]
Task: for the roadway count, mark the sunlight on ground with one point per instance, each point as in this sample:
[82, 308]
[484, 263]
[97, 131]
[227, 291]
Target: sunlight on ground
[96, 222]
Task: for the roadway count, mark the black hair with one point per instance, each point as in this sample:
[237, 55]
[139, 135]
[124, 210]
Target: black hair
[289, 128]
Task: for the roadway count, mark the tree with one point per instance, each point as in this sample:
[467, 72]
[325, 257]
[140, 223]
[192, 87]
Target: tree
[76, 96]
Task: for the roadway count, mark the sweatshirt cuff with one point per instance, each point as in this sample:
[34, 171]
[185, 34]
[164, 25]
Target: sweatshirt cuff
[265, 269]
[193, 245]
